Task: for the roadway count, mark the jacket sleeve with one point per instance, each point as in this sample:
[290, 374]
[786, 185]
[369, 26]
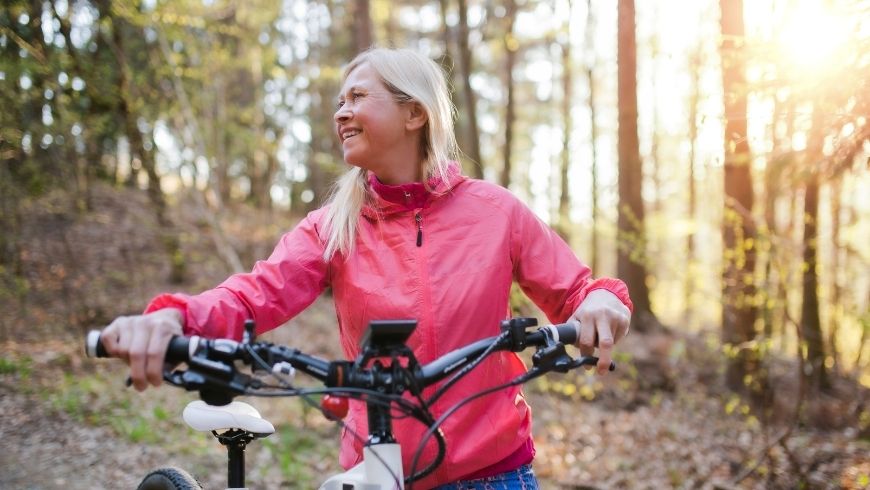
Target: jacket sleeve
[275, 290]
[547, 270]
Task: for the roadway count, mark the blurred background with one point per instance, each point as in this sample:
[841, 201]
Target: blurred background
[713, 154]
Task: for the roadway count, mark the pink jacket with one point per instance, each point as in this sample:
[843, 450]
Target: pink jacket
[476, 238]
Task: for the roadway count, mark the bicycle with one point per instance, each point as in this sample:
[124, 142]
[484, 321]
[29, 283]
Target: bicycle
[211, 369]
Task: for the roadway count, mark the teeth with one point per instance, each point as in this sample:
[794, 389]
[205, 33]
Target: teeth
[353, 132]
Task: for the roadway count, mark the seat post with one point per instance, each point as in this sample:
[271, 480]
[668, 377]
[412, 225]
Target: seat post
[235, 440]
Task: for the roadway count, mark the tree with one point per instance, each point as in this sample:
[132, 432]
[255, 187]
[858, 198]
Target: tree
[472, 136]
[362, 25]
[738, 231]
[694, 98]
[510, 48]
[565, 163]
[631, 248]
[593, 133]
[810, 323]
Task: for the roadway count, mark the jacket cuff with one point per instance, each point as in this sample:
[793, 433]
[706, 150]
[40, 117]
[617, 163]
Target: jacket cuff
[615, 286]
[177, 301]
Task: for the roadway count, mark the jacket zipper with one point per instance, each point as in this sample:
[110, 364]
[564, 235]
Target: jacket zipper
[419, 219]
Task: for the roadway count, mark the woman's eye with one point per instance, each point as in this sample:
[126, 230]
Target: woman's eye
[340, 104]
[356, 95]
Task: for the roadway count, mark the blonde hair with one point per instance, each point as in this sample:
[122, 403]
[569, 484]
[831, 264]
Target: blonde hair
[410, 77]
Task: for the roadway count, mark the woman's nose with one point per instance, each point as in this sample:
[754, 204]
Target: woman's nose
[342, 114]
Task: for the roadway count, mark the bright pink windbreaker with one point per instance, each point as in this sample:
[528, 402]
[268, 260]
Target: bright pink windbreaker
[476, 239]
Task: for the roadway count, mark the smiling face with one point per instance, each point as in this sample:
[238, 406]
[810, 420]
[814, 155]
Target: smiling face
[377, 132]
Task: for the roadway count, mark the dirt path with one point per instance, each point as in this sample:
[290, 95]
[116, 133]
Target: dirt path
[48, 450]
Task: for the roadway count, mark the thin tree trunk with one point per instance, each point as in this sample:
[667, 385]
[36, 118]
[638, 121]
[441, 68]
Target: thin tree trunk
[448, 64]
[258, 170]
[221, 141]
[811, 326]
[655, 150]
[564, 219]
[771, 173]
[593, 134]
[473, 134]
[690, 286]
[836, 314]
[738, 292]
[510, 47]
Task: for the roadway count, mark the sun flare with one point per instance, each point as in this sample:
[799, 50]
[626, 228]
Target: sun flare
[812, 37]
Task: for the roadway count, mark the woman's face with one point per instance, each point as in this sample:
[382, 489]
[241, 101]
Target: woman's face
[372, 125]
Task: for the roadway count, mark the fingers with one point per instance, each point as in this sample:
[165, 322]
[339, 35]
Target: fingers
[111, 337]
[605, 346]
[595, 332]
[155, 356]
[138, 357]
[587, 335]
[142, 340]
[620, 324]
[604, 321]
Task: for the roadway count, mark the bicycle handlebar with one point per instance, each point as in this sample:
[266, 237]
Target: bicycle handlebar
[211, 368]
[218, 355]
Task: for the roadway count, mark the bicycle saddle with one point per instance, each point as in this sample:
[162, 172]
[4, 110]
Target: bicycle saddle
[236, 415]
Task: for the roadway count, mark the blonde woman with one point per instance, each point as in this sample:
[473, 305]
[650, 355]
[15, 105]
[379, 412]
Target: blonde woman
[405, 235]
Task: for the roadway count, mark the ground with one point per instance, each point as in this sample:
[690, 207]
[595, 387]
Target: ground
[662, 420]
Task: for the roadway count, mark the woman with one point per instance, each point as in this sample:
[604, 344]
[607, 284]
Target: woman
[405, 235]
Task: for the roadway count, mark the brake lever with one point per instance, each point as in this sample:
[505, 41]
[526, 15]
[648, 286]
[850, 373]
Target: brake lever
[555, 358]
[171, 376]
[589, 361]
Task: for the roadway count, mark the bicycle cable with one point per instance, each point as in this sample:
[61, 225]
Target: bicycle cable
[532, 373]
[307, 399]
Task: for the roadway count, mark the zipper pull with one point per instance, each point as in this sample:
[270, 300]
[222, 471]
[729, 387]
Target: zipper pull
[419, 219]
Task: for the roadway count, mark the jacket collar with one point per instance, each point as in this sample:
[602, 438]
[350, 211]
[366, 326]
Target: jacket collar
[385, 200]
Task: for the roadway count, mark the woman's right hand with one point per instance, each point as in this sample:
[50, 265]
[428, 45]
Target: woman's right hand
[141, 340]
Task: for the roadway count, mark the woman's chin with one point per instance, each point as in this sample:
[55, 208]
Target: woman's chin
[355, 162]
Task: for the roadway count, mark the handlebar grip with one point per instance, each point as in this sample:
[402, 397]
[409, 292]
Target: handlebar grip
[93, 345]
[567, 333]
[179, 349]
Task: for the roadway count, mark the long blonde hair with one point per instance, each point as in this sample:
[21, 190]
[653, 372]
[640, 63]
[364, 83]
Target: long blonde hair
[409, 76]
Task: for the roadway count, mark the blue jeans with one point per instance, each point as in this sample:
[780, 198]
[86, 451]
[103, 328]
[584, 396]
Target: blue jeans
[522, 478]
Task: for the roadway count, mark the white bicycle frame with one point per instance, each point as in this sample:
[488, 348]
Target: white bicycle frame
[381, 468]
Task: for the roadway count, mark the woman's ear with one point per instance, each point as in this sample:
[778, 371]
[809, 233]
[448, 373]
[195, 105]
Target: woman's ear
[417, 116]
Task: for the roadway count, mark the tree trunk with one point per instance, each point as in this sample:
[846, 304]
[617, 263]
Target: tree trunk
[221, 140]
[776, 265]
[836, 315]
[631, 249]
[448, 64]
[690, 284]
[593, 135]
[811, 327]
[738, 292]
[510, 48]
[472, 133]
[564, 218]
[656, 143]
[362, 25]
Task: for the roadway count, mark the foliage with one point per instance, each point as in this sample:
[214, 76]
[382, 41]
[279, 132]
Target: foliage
[226, 106]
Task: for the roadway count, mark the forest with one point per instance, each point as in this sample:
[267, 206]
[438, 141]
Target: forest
[713, 154]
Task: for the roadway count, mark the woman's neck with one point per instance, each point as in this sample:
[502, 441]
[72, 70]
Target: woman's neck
[396, 175]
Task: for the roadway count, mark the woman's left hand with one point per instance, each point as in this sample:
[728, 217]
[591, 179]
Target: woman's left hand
[603, 321]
